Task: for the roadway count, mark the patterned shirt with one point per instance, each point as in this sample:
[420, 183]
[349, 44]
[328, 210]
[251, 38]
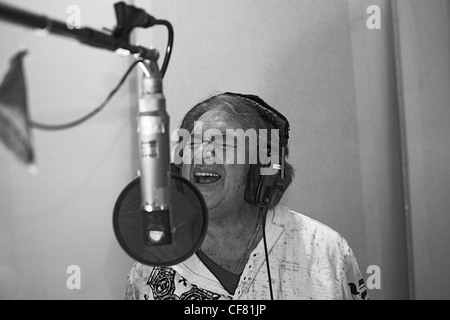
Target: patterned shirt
[308, 260]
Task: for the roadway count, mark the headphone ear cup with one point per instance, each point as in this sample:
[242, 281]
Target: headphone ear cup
[279, 187]
[261, 189]
[266, 190]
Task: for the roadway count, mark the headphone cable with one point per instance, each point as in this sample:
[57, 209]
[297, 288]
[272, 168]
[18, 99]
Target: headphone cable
[264, 211]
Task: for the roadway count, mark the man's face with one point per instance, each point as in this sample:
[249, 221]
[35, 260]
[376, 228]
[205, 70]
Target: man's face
[222, 185]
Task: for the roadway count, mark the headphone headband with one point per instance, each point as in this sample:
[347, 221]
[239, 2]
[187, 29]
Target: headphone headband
[269, 114]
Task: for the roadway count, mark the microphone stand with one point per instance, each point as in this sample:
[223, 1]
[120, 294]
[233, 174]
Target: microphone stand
[145, 228]
[118, 41]
[153, 120]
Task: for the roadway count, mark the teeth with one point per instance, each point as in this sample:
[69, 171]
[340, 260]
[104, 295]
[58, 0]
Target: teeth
[206, 174]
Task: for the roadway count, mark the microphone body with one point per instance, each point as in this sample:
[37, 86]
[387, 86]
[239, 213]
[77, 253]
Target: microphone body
[155, 177]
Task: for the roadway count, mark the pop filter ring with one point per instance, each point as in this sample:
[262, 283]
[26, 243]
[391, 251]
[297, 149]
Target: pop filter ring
[116, 213]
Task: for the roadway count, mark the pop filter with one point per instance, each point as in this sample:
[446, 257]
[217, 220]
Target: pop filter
[188, 217]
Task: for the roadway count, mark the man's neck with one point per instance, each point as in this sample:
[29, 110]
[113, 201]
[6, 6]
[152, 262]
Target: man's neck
[221, 220]
[227, 239]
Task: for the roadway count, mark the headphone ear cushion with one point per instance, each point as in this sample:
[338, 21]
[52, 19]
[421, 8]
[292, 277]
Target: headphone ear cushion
[253, 178]
[175, 169]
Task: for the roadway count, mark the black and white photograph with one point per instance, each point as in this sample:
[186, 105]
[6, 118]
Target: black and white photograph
[249, 150]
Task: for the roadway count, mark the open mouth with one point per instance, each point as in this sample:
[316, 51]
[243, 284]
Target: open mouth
[206, 177]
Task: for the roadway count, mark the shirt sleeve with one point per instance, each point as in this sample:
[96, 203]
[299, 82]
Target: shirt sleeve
[353, 283]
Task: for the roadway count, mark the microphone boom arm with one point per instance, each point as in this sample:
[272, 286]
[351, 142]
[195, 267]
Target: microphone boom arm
[86, 36]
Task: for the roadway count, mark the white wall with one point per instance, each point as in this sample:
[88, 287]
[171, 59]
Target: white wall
[424, 56]
[63, 216]
[334, 79]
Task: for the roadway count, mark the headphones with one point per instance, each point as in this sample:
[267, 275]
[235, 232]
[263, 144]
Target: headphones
[264, 190]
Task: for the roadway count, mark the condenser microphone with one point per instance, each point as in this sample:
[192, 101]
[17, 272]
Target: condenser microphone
[160, 218]
[154, 153]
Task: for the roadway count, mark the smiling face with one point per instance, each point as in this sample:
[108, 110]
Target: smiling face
[222, 185]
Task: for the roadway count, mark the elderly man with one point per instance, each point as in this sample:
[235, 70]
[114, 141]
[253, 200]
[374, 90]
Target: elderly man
[254, 247]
